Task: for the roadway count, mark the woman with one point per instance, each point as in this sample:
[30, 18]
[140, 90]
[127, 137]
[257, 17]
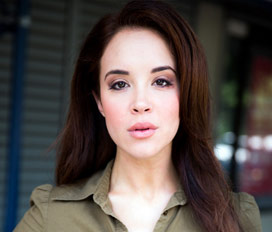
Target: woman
[136, 153]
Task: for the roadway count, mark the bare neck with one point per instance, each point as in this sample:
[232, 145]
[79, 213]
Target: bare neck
[144, 176]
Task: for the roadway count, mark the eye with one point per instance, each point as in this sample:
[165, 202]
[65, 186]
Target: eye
[162, 82]
[119, 85]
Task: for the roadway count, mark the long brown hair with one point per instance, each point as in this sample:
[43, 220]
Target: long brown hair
[86, 147]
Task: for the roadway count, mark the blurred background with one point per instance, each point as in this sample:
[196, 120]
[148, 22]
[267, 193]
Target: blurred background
[39, 43]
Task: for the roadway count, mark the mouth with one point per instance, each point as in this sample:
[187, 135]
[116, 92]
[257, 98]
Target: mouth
[142, 130]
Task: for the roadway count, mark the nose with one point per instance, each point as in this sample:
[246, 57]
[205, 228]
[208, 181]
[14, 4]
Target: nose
[140, 104]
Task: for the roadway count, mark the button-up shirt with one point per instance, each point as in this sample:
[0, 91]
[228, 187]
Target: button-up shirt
[85, 206]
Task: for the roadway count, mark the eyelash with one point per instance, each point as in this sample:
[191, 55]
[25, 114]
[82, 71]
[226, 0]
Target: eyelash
[116, 85]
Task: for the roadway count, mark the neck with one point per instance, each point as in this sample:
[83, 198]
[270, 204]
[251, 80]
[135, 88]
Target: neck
[144, 176]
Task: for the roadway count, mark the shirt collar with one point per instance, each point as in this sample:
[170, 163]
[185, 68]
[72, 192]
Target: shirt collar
[178, 198]
[98, 186]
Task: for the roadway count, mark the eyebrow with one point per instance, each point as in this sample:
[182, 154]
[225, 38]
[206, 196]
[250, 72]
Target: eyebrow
[116, 71]
[162, 68]
[154, 70]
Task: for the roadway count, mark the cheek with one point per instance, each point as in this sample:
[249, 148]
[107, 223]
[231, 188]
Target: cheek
[114, 111]
[169, 106]
[170, 117]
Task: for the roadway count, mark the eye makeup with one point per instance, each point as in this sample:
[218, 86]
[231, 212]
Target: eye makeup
[162, 82]
[118, 85]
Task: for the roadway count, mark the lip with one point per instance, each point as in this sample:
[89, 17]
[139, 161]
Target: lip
[142, 130]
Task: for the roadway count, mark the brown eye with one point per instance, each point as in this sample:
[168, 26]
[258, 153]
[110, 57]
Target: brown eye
[119, 85]
[162, 83]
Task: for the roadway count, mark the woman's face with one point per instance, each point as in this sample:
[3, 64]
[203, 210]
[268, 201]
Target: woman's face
[139, 95]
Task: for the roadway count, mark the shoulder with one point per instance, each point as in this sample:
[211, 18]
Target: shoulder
[34, 219]
[48, 202]
[41, 194]
[248, 212]
[51, 204]
[46, 205]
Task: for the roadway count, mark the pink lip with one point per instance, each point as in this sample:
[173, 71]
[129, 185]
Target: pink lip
[142, 130]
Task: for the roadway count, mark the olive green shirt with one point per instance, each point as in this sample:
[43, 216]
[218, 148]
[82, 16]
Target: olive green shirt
[85, 206]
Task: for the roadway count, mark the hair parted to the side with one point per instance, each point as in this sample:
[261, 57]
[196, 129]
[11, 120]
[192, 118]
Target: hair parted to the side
[86, 147]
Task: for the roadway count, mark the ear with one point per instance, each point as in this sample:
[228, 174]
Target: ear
[99, 104]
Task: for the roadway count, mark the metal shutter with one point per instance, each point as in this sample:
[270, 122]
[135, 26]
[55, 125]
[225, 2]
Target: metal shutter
[5, 62]
[42, 100]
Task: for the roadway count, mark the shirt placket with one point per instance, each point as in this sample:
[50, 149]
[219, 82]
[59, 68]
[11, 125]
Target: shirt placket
[164, 220]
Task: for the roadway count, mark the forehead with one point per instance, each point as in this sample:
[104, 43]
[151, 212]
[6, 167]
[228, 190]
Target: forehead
[136, 46]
